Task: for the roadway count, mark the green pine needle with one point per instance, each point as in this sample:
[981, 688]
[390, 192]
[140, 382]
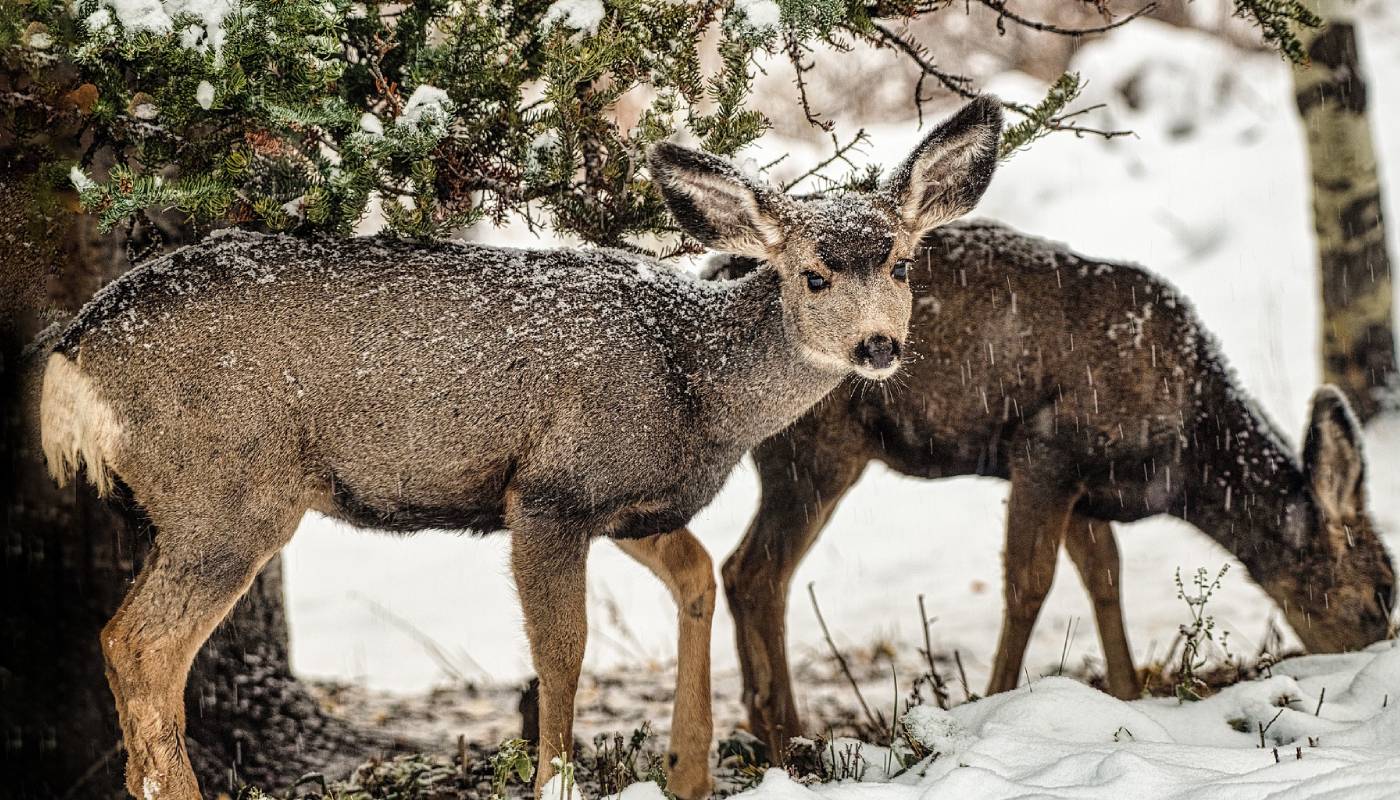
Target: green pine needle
[1277, 20]
[1039, 119]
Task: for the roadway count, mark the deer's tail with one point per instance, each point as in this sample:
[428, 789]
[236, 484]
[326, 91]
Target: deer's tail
[76, 426]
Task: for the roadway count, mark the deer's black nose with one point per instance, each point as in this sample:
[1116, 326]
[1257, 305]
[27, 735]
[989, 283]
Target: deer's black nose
[877, 351]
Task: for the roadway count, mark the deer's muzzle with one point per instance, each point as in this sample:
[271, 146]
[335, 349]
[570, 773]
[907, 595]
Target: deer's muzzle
[877, 352]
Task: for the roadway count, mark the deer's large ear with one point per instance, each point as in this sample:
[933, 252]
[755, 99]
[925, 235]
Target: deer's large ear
[947, 173]
[1332, 458]
[716, 203]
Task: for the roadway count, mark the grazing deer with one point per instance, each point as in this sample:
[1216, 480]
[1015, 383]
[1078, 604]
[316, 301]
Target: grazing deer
[561, 395]
[1093, 389]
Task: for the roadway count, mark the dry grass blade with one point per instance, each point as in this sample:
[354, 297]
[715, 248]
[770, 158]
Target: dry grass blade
[874, 721]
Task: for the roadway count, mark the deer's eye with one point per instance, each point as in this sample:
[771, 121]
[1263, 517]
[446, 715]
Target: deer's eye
[815, 282]
[901, 270]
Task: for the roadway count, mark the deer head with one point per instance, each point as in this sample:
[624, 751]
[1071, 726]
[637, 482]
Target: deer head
[842, 261]
[1338, 594]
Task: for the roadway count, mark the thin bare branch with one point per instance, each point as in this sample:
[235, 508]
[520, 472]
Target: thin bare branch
[794, 49]
[958, 84]
[961, 84]
[940, 690]
[839, 154]
[1004, 13]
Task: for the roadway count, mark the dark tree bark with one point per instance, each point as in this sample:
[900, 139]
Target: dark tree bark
[69, 558]
[1358, 323]
[250, 720]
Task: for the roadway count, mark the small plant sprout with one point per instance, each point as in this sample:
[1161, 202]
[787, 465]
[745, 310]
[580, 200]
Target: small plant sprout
[511, 761]
[619, 762]
[1200, 633]
[564, 767]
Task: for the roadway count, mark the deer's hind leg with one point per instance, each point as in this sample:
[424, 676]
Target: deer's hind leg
[681, 562]
[204, 558]
[1094, 549]
[1037, 516]
[802, 480]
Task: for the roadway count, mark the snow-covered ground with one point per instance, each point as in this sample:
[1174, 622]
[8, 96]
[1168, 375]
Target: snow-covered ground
[1212, 193]
[1058, 738]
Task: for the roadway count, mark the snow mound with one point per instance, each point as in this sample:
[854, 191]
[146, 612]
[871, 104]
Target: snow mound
[647, 790]
[1059, 738]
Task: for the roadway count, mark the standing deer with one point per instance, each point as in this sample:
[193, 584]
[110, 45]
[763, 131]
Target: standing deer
[561, 395]
[1092, 388]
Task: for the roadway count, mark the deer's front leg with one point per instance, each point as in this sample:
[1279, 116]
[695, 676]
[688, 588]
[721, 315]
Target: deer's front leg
[549, 563]
[1037, 515]
[1094, 550]
[681, 562]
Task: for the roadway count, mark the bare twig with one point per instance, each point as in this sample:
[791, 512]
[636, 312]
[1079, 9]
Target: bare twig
[839, 154]
[1070, 628]
[775, 162]
[434, 650]
[841, 659]
[1263, 729]
[961, 85]
[1004, 13]
[894, 718]
[940, 690]
[793, 47]
[462, 763]
[918, 54]
[962, 675]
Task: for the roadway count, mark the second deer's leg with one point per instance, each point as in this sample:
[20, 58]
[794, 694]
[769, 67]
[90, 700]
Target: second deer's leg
[1037, 515]
[681, 562]
[549, 563]
[799, 495]
[1094, 550]
[197, 570]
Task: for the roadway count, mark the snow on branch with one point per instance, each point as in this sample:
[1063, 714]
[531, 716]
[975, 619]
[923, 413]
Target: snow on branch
[304, 115]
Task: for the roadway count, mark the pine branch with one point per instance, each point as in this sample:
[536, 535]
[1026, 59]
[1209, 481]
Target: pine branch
[1276, 20]
[1049, 115]
[239, 135]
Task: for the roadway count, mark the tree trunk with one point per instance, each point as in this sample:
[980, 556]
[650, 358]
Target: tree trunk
[68, 560]
[1358, 341]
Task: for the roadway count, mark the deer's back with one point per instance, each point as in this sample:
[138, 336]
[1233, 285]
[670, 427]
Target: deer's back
[411, 383]
[1026, 350]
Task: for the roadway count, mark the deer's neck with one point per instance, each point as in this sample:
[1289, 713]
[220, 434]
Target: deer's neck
[1249, 483]
[749, 371]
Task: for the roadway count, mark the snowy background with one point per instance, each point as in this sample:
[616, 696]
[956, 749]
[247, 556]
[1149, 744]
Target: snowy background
[1212, 193]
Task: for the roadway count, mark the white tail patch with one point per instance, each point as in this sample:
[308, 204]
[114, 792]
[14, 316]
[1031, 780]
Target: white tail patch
[77, 427]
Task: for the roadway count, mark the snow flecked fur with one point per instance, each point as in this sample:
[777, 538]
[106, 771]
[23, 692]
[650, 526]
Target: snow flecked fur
[562, 395]
[432, 332]
[1093, 388]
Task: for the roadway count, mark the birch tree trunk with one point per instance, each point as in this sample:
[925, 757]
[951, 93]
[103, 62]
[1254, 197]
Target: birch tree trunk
[1358, 341]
